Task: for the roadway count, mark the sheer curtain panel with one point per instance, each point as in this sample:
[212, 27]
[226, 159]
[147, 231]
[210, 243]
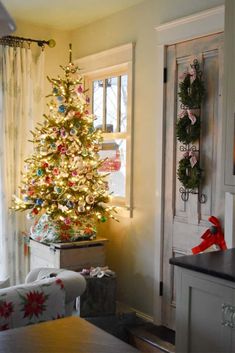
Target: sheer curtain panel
[21, 102]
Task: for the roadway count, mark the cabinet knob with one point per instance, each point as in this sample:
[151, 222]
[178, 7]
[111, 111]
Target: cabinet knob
[228, 315]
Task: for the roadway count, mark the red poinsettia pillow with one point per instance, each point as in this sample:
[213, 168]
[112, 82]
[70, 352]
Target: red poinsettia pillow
[32, 303]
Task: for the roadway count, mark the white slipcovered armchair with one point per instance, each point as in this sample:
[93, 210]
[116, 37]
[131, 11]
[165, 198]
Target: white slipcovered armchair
[74, 283]
[48, 294]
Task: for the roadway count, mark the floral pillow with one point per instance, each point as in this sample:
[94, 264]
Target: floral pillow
[32, 303]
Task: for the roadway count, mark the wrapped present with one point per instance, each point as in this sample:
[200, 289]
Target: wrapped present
[48, 231]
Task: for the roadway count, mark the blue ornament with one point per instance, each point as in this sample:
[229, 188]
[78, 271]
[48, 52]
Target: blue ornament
[39, 202]
[53, 145]
[61, 108]
[70, 204]
[55, 90]
[60, 98]
[26, 198]
[73, 132]
[57, 189]
[40, 172]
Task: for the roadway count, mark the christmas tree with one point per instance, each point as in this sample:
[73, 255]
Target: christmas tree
[61, 182]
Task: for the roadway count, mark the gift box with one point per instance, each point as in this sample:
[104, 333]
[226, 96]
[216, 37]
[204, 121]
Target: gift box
[99, 297]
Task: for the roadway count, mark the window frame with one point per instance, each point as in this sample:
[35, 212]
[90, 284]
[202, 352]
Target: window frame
[111, 63]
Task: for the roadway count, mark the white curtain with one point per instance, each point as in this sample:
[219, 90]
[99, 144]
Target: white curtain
[21, 103]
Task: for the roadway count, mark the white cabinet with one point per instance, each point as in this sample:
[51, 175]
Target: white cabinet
[205, 313]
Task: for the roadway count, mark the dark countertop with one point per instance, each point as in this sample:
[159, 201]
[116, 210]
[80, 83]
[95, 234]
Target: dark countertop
[217, 263]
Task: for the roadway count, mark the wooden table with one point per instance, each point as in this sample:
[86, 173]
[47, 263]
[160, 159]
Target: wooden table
[69, 335]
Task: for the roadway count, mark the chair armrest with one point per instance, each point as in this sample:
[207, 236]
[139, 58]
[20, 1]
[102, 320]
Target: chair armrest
[40, 273]
[74, 283]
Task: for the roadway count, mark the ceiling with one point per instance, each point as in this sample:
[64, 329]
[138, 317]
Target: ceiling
[64, 14]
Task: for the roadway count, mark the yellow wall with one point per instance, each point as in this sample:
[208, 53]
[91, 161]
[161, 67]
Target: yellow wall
[132, 242]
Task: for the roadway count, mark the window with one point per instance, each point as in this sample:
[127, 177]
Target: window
[108, 76]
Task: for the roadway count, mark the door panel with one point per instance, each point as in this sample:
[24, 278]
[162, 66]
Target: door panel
[184, 222]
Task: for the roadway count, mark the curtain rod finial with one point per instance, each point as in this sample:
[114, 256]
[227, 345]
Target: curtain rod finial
[51, 43]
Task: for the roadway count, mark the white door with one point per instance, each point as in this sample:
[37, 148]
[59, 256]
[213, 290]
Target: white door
[184, 222]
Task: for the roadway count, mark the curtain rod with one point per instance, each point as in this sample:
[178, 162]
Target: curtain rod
[15, 40]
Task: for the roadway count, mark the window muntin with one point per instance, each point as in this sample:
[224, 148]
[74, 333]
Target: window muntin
[109, 103]
[97, 102]
[124, 82]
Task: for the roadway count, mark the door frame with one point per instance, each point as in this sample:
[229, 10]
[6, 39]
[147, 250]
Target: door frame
[186, 28]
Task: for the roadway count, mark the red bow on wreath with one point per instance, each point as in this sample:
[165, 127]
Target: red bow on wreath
[212, 236]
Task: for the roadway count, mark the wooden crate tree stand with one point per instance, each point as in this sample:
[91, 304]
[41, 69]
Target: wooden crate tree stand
[72, 256]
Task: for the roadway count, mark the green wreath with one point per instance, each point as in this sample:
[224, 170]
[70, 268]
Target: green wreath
[185, 131]
[192, 93]
[188, 176]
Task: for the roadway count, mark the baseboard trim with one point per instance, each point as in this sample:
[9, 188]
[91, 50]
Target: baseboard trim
[121, 307]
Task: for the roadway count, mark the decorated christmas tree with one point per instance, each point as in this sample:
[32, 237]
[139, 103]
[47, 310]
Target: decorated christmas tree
[62, 187]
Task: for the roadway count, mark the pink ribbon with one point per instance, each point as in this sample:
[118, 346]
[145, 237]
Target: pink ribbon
[191, 114]
[193, 74]
[183, 75]
[192, 156]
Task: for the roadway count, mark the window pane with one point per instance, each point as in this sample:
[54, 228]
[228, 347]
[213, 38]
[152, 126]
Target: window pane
[123, 103]
[97, 87]
[111, 104]
[115, 152]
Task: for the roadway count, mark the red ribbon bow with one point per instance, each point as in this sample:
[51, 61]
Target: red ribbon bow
[213, 235]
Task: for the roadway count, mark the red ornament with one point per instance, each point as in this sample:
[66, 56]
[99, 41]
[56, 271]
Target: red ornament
[67, 221]
[55, 171]
[48, 179]
[78, 115]
[45, 165]
[79, 89]
[70, 183]
[213, 235]
[30, 191]
[62, 149]
[35, 211]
